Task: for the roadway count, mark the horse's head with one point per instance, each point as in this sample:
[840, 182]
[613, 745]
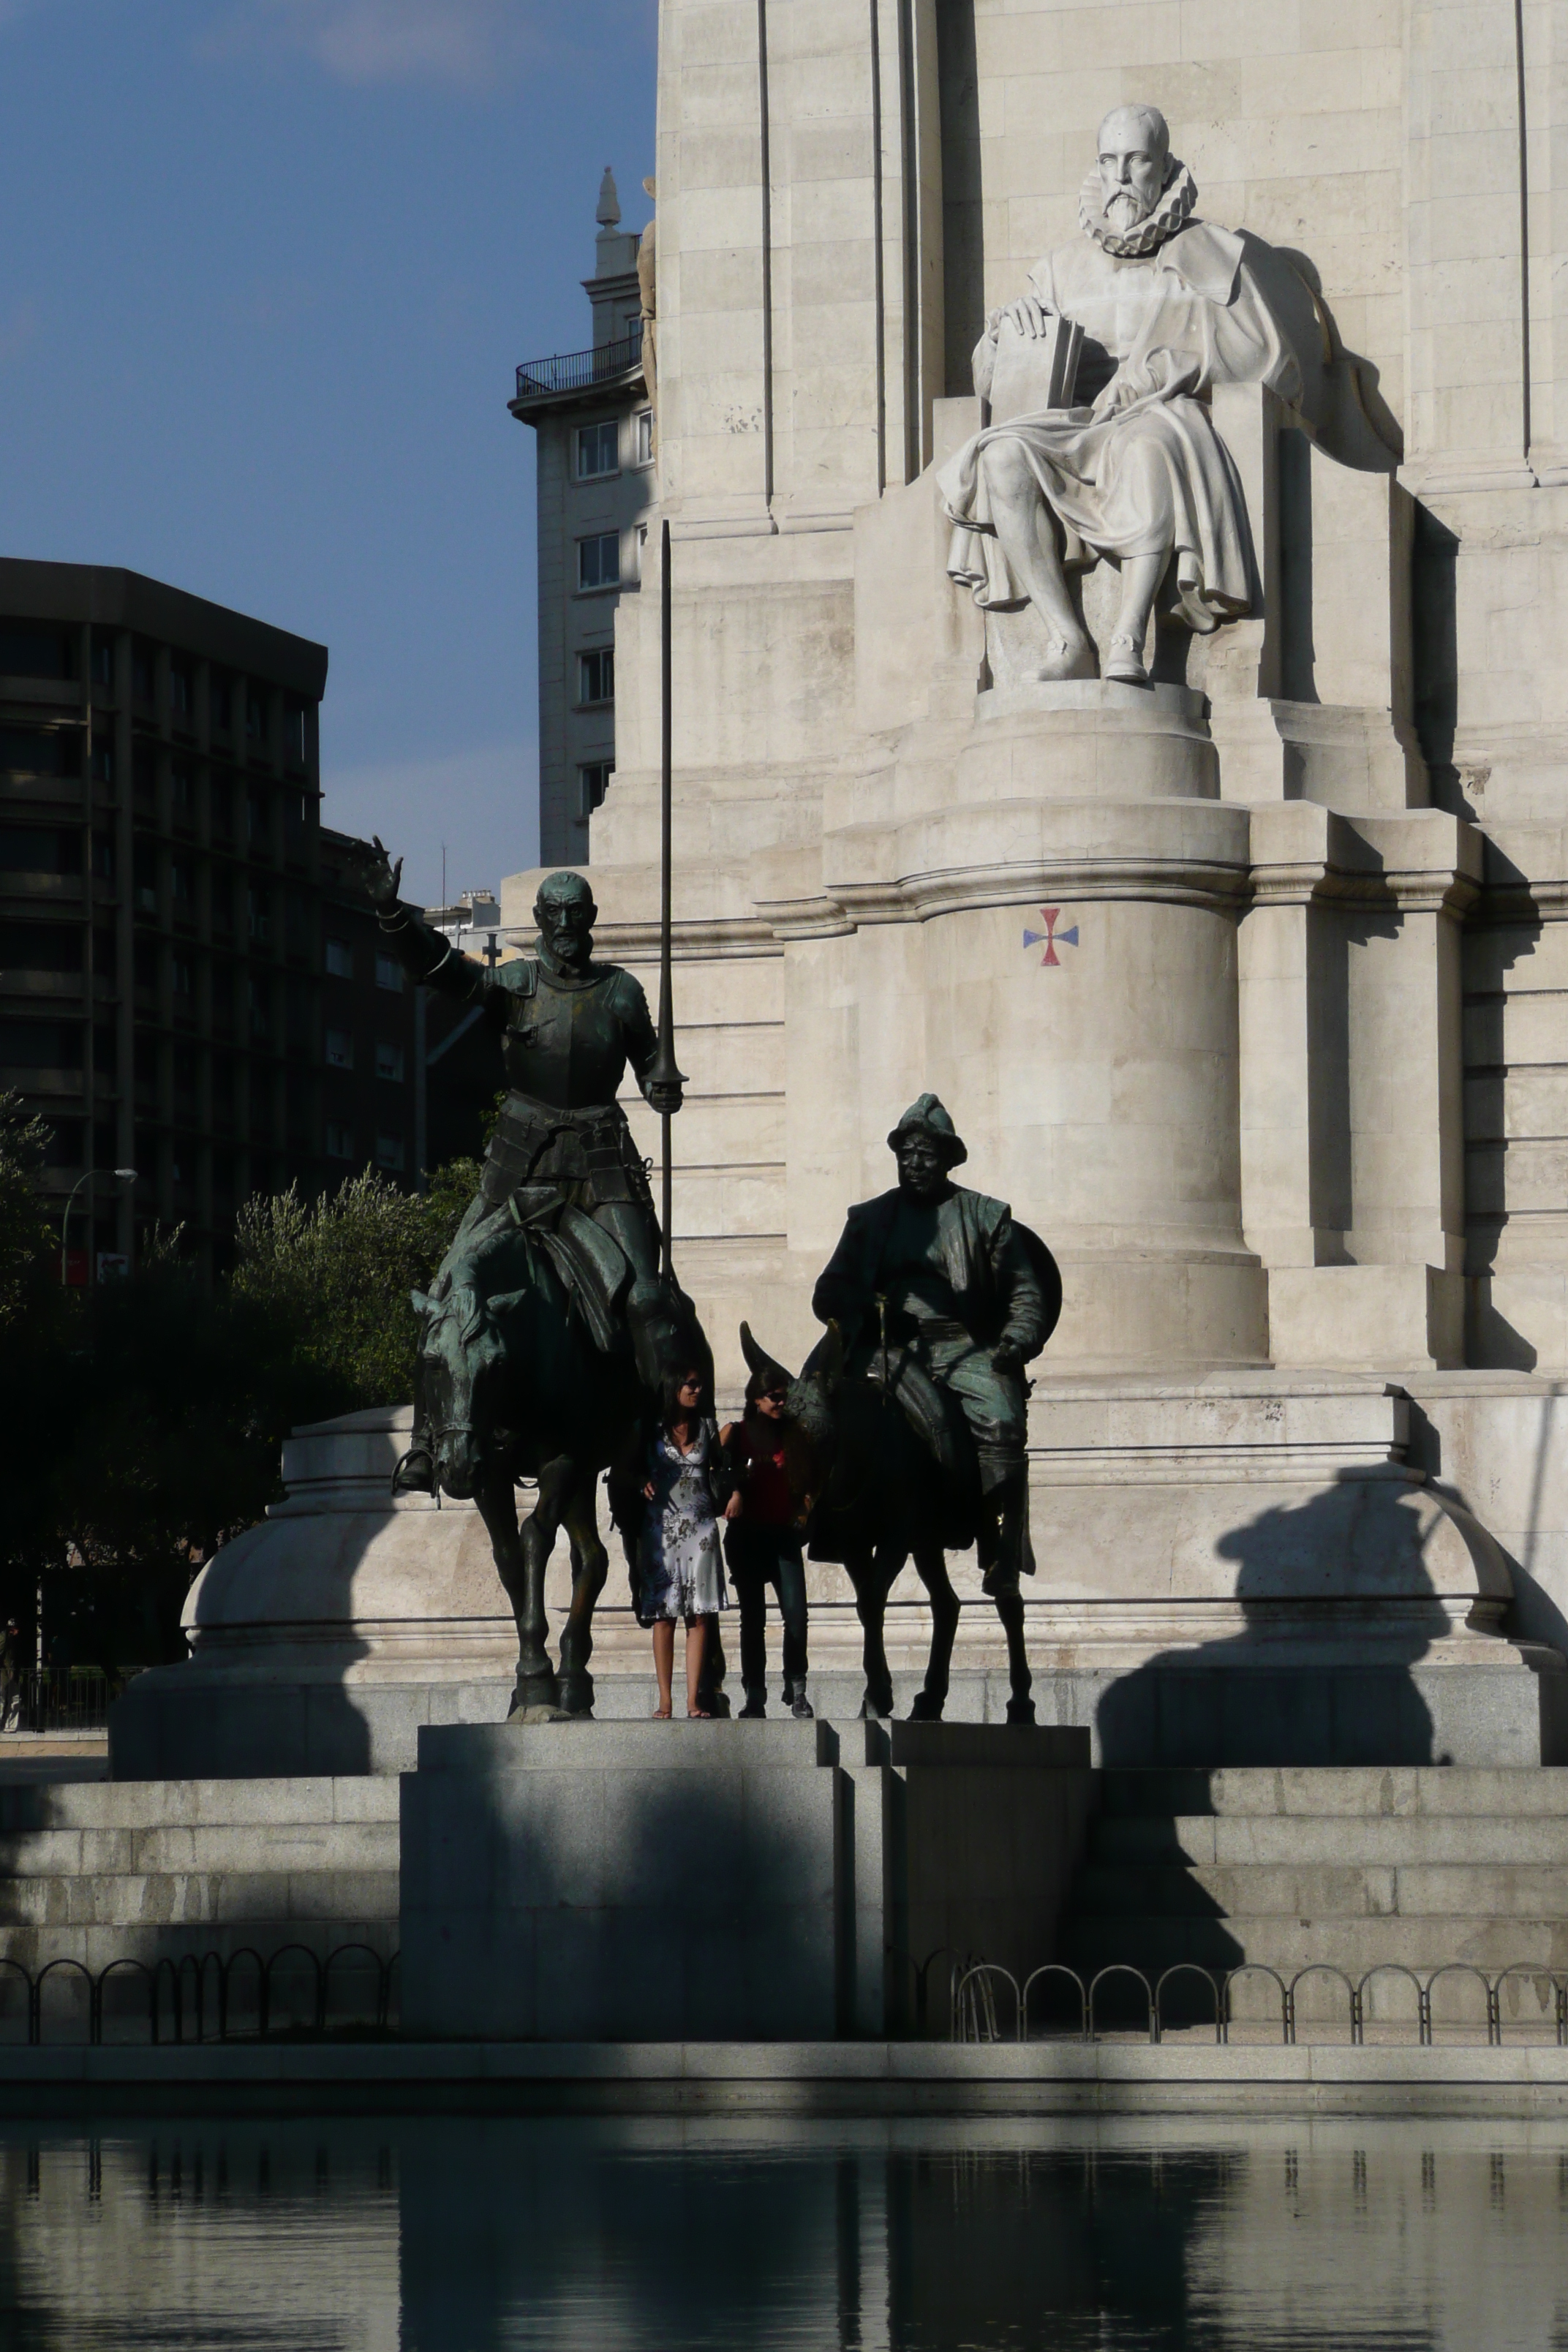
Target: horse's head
[461, 1350]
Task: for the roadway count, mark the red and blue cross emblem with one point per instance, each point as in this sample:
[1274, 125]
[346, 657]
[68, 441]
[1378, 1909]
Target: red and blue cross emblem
[1050, 937]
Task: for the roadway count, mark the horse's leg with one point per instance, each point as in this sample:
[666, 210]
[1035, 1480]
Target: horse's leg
[932, 1562]
[590, 1567]
[1010, 1609]
[536, 1685]
[872, 1572]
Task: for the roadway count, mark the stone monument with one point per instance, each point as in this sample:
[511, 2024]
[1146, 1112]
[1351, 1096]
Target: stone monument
[1165, 768]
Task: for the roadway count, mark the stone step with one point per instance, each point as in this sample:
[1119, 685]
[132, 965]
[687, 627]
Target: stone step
[131, 1898]
[1356, 1790]
[1325, 1890]
[145, 1804]
[1119, 1839]
[265, 1847]
[1154, 1942]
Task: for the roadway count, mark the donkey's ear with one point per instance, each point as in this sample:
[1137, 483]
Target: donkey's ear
[421, 1304]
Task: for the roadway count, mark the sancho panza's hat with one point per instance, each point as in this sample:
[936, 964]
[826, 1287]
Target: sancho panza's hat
[929, 1116]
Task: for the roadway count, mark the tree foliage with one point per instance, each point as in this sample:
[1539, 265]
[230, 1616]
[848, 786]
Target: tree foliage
[147, 1416]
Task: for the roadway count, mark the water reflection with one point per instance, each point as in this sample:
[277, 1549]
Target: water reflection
[460, 2235]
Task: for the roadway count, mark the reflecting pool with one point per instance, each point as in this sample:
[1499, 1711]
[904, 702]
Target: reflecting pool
[463, 2235]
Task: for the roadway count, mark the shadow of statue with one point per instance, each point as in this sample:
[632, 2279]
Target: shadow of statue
[1338, 1603]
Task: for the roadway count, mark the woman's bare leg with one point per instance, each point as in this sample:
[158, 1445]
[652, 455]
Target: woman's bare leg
[696, 1642]
[664, 1662]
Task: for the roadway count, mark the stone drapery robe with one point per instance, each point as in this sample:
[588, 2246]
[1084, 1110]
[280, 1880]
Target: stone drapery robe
[1143, 468]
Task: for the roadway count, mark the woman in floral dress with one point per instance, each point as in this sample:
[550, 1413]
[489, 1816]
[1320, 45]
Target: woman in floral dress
[681, 1560]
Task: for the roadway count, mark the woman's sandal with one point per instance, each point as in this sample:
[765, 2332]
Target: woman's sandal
[698, 1714]
[661, 1714]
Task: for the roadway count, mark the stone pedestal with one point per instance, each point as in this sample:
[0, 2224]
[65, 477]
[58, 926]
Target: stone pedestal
[683, 1881]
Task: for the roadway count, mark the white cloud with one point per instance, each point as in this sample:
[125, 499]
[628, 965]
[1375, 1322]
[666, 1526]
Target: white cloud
[467, 42]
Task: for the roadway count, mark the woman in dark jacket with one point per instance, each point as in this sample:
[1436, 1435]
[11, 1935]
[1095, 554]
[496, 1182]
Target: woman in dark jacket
[772, 1464]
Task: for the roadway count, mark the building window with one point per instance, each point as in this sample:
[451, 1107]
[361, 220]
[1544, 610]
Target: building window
[389, 1062]
[388, 972]
[645, 436]
[340, 1140]
[389, 1150]
[220, 704]
[102, 756]
[599, 561]
[294, 734]
[182, 883]
[35, 650]
[596, 676]
[339, 1050]
[102, 659]
[182, 690]
[596, 452]
[30, 752]
[185, 975]
[143, 673]
[593, 783]
[340, 960]
[182, 791]
[258, 922]
[260, 1006]
[255, 719]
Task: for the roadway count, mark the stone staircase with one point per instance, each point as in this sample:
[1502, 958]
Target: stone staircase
[108, 1870]
[1354, 1868]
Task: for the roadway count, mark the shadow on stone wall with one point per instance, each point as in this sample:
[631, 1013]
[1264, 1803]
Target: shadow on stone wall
[264, 1705]
[1240, 1702]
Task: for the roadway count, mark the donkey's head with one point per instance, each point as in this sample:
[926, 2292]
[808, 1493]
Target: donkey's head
[462, 1350]
[811, 1394]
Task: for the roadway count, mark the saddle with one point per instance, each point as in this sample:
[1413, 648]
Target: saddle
[591, 1267]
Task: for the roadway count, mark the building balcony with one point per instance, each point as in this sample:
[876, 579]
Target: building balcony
[569, 373]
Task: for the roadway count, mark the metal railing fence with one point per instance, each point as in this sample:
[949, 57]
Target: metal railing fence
[579, 370]
[979, 1991]
[203, 1997]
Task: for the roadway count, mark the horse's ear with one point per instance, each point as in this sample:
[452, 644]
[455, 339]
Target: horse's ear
[505, 1300]
[421, 1304]
[758, 1361]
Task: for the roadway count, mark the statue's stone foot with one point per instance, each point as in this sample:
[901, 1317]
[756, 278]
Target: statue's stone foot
[1124, 660]
[1021, 1710]
[926, 1707]
[1068, 657]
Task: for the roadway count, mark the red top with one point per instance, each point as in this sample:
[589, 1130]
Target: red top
[764, 1482]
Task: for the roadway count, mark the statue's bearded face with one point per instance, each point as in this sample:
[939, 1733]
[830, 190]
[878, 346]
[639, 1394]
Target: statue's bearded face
[1134, 155]
[564, 914]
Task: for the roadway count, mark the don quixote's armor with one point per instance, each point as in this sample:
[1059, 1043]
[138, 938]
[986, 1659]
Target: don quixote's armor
[561, 1161]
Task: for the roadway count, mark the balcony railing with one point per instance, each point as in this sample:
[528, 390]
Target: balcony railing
[579, 370]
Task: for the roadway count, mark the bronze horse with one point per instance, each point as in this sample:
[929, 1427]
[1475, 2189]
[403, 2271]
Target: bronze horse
[883, 1500]
[515, 1388]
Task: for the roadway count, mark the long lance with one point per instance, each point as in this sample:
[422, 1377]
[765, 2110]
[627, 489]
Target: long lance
[664, 1072]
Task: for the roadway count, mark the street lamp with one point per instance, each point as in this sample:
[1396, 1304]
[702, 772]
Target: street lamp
[125, 1175]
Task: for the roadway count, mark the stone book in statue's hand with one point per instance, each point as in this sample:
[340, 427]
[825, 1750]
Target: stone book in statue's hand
[1033, 373]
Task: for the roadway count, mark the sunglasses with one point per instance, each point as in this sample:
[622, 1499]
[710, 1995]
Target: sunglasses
[776, 1396]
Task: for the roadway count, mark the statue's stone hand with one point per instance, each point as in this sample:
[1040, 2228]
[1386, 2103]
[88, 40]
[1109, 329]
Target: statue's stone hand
[1006, 1358]
[664, 1099]
[378, 876]
[1028, 316]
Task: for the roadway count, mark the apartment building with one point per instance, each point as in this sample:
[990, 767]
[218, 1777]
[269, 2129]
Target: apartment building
[590, 412]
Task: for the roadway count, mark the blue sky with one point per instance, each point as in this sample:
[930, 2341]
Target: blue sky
[267, 269]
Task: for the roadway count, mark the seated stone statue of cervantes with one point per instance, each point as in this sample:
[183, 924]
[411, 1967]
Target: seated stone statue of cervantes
[1168, 306]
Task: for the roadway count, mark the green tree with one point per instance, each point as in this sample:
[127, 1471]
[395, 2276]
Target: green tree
[26, 1240]
[336, 1276]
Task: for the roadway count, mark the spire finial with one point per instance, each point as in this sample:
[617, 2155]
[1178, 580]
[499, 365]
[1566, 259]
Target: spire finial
[609, 213]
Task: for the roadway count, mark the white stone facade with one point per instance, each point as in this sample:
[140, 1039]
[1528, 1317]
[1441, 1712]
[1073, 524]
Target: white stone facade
[1282, 1079]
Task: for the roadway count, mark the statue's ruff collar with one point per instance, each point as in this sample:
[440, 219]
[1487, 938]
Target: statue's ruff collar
[1172, 212]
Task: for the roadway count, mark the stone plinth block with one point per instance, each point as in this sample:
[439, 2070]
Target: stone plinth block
[723, 1881]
